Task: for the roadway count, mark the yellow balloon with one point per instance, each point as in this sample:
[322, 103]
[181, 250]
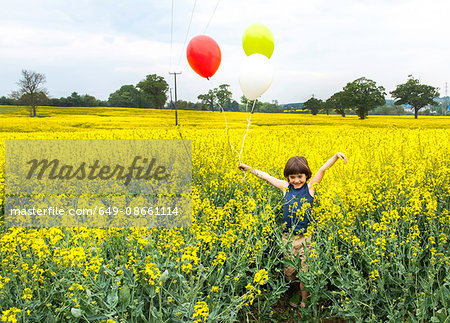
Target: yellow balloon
[258, 39]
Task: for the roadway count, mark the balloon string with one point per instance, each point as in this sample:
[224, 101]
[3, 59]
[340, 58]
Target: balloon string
[253, 108]
[187, 32]
[171, 38]
[245, 134]
[226, 127]
[248, 127]
[217, 4]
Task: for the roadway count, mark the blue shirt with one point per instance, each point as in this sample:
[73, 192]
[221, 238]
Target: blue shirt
[297, 209]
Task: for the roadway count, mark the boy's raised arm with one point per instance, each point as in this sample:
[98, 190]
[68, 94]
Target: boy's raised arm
[321, 172]
[278, 183]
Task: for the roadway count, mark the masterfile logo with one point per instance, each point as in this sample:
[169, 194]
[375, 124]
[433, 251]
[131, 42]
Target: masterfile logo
[53, 170]
[140, 182]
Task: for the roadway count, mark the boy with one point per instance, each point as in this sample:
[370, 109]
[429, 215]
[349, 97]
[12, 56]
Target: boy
[298, 200]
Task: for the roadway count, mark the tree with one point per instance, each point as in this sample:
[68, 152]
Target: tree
[314, 105]
[336, 102]
[223, 96]
[31, 90]
[249, 106]
[89, 101]
[74, 100]
[40, 99]
[186, 105]
[389, 109]
[6, 101]
[220, 96]
[415, 94]
[208, 100]
[154, 91]
[233, 106]
[363, 95]
[126, 96]
[270, 107]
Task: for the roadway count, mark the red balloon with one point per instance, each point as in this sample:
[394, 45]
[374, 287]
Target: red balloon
[203, 54]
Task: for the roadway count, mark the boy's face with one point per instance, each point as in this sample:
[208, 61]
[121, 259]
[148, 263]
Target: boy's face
[297, 180]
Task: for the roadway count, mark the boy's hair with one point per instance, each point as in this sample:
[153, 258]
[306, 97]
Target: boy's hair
[297, 165]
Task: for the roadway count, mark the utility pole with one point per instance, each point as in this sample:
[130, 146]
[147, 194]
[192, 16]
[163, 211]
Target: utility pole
[447, 102]
[176, 98]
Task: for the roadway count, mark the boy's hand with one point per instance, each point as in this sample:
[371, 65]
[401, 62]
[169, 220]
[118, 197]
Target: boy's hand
[244, 167]
[341, 156]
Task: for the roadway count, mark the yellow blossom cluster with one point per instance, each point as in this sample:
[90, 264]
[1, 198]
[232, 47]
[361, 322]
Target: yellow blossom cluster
[386, 209]
[201, 312]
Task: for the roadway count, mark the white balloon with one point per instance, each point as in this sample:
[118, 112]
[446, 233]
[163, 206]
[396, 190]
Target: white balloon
[255, 76]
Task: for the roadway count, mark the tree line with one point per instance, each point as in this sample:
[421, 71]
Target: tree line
[359, 97]
[363, 95]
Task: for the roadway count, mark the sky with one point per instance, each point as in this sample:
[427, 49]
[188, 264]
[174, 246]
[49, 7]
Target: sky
[96, 46]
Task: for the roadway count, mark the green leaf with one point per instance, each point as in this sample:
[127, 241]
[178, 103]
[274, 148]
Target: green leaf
[76, 312]
[112, 299]
[124, 295]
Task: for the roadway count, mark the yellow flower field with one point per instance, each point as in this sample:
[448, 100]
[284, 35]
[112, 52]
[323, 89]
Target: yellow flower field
[381, 224]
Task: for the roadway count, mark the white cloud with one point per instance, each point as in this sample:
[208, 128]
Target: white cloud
[95, 47]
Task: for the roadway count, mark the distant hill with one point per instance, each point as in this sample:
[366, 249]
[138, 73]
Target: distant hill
[444, 99]
[292, 105]
[299, 105]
